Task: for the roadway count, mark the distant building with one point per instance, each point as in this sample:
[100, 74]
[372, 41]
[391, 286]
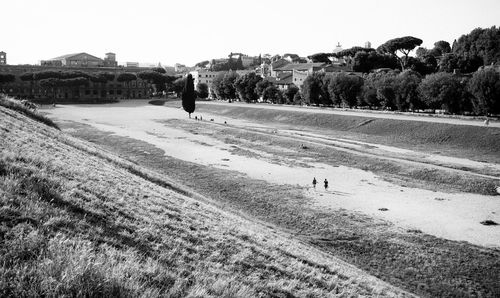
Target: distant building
[368, 44]
[110, 60]
[338, 48]
[75, 60]
[3, 58]
[180, 67]
[132, 64]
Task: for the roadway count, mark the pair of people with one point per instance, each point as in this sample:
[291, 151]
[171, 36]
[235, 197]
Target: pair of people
[315, 182]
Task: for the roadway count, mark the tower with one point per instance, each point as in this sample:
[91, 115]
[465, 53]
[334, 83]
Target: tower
[368, 44]
[3, 58]
[110, 60]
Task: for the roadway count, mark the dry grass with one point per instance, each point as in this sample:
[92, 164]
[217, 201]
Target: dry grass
[15, 105]
[76, 220]
[286, 150]
[420, 263]
[452, 140]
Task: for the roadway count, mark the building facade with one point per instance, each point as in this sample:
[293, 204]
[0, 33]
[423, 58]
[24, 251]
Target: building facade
[75, 60]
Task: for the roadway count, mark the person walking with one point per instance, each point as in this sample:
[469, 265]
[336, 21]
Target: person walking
[314, 182]
[326, 184]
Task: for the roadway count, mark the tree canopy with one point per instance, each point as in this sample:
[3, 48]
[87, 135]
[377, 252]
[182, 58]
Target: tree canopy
[404, 45]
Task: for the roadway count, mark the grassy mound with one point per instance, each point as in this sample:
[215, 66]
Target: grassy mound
[76, 220]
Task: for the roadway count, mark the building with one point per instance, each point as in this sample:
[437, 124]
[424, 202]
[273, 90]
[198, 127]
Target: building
[368, 44]
[3, 58]
[75, 60]
[110, 60]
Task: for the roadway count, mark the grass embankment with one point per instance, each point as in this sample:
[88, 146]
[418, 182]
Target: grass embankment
[15, 105]
[286, 149]
[76, 220]
[474, 142]
[420, 263]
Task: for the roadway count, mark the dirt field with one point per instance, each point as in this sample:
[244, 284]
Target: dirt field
[375, 190]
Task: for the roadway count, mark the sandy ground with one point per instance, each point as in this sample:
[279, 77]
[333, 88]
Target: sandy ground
[451, 216]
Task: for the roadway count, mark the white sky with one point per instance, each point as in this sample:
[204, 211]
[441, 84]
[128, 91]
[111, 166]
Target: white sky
[190, 31]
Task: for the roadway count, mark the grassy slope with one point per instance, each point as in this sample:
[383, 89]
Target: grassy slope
[76, 220]
[420, 263]
[455, 140]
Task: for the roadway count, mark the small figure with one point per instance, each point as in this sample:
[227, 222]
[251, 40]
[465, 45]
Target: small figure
[487, 122]
[211, 119]
[196, 118]
[225, 122]
[326, 184]
[201, 118]
[314, 182]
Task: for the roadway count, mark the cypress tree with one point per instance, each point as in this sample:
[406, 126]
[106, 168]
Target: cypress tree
[188, 95]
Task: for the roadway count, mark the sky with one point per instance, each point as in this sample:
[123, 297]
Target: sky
[191, 31]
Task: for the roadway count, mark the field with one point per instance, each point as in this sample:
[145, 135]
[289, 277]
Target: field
[398, 209]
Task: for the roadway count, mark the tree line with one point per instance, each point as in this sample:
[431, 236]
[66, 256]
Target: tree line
[51, 81]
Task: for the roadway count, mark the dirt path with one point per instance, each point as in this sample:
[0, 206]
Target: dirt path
[363, 113]
[450, 216]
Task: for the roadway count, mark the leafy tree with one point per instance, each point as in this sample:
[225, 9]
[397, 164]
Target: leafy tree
[47, 74]
[483, 43]
[178, 85]
[159, 70]
[261, 86]
[245, 86]
[406, 87]
[402, 44]
[312, 90]
[202, 64]
[366, 61]
[441, 47]
[320, 57]
[383, 83]
[465, 63]
[442, 91]
[272, 94]
[102, 78]
[297, 98]
[423, 66]
[485, 87]
[155, 78]
[346, 88]
[7, 78]
[228, 85]
[290, 93]
[126, 77]
[202, 90]
[421, 52]
[351, 52]
[188, 96]
[223, 85]
[28, 76]
[217, 85]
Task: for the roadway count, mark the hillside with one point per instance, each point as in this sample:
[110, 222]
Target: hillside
[77, 220]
